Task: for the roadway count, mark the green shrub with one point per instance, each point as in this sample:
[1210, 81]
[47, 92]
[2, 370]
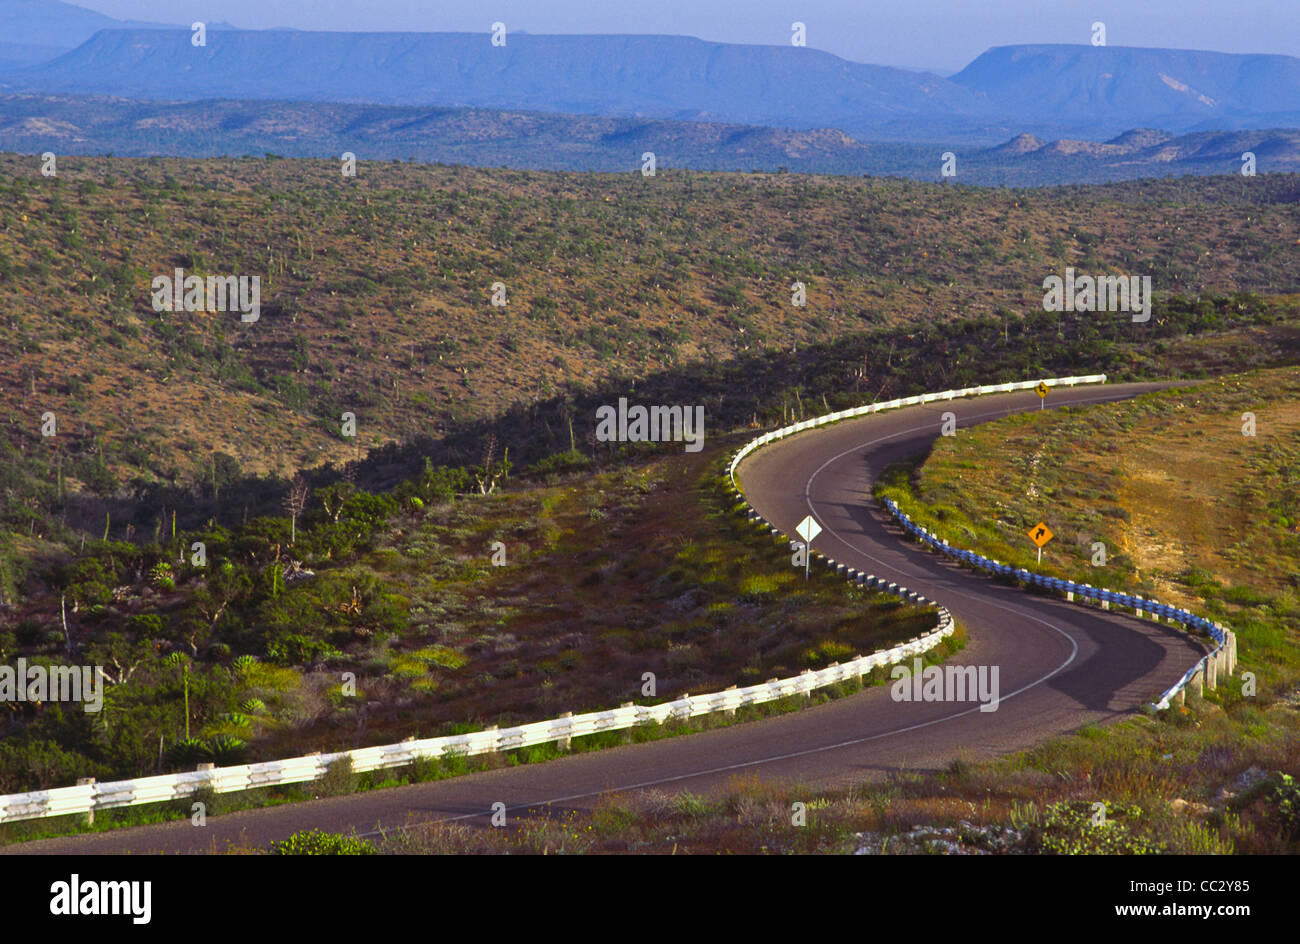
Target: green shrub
[1245, 596]
[211, 800]
[562, 463]
[756, 588]
[187, 752]
[91, 593]
[1066, 828]
[339, 779]
[693, 806]
[318, 842]
[1284, 801]
[826, 652]
[441, 656]
[297, 649]
[145, 625]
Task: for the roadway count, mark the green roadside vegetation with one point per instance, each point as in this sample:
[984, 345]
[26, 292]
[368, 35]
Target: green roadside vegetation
[1165, 496]
[648, 567]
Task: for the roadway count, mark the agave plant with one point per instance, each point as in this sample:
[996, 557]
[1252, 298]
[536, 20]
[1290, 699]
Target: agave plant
[187, 752]
[224, 750]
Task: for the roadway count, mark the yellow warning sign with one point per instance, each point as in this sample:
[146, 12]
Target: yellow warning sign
[1040, 534]
[1042, 389]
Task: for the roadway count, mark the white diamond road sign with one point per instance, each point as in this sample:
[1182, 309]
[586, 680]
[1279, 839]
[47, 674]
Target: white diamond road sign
[809, 529]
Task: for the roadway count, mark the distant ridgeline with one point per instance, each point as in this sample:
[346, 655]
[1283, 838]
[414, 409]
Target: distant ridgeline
[600, 101]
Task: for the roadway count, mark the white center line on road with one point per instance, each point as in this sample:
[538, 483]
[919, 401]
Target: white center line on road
[728, 767]
[645, 784]
[807, 488]
[948, 591]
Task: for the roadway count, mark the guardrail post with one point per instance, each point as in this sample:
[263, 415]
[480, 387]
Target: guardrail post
[564, 743]
[1197, 682]
[87, 817]
[729, 712]
[1212, 671]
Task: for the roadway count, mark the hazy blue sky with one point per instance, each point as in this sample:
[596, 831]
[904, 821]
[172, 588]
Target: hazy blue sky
[935, 34]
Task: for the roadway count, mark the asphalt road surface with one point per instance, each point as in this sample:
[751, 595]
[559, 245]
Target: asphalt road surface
[1061, 666]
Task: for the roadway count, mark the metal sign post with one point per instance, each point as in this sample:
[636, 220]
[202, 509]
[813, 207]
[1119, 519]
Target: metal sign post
[808, 529]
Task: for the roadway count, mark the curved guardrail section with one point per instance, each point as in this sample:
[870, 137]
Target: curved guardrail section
[895, 404]
[864, 579]
[1222, 659]
[88, 797]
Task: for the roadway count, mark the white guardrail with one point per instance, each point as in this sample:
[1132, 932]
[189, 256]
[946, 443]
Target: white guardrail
[89, 797]
[1223, 659]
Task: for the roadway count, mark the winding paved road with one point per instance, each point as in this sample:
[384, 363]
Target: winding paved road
[1061, 666]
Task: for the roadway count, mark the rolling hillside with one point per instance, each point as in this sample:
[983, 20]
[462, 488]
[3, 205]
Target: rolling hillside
[88, 125]
[376, 290]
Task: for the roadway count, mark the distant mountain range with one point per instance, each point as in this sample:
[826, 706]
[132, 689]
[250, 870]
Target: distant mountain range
[1173, 89]
[34, 31]
[538, 140]
[75, 81]
[1050, 91]
[668, 77]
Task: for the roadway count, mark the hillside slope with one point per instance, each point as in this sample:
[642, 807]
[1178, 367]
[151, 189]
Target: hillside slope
[376, 290]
